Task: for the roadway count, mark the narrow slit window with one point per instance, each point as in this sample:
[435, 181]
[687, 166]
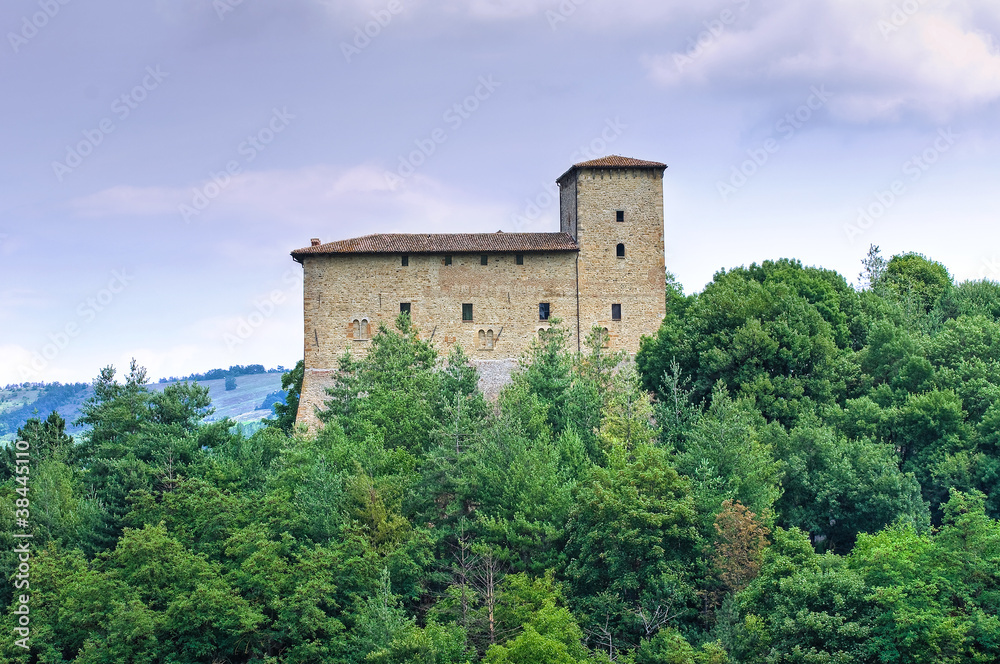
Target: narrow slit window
[543, 311]
[405, 260]
[620, 250]
[619, 215]
[467, 311]
[616, 312]
[484, 260]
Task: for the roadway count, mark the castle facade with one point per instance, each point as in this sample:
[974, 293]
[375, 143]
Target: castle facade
[493, 292]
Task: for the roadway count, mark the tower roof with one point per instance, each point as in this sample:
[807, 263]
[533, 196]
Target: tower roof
[613, 161]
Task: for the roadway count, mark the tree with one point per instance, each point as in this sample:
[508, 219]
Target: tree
[739, 546]
[873, 268]
[291, 383]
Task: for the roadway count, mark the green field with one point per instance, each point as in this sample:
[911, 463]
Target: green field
[241, 405]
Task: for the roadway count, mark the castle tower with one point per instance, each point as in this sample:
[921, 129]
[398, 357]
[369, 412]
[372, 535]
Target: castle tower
[613, 208]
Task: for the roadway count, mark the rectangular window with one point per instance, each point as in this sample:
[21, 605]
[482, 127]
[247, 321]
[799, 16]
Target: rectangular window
[467, 311]
[404, 307]
[483, 260]
[520, 259]
[447, 260]
[616, 312]
[406, 260]
[620, 215]
[543, 311]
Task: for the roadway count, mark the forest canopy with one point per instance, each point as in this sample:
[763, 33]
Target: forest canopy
[791, 470]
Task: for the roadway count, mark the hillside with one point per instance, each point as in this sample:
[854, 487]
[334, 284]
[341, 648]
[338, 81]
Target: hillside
[243, 405]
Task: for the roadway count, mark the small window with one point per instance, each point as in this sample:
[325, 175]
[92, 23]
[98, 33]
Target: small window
[406, 260]
[520, 259]
[360, 329]
[447, 260]
[616, 312]
[404, 307]
[467, 311]
[620, 250]
[484, 260]
[543, 311]
[620, 215]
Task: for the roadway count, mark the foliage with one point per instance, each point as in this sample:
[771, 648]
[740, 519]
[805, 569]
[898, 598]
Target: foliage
[790, 471]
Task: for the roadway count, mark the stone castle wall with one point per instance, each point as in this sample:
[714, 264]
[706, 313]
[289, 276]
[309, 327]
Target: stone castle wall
[347, 295]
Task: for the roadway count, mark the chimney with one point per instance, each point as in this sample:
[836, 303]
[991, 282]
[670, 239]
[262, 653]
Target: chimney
[314, 242]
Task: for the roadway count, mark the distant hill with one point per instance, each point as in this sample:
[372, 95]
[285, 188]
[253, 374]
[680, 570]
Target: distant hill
[249, 403]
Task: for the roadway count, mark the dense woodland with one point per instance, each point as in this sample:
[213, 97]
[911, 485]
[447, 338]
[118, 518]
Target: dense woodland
[792, 470]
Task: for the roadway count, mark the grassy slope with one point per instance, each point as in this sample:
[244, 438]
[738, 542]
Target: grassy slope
[240, 405]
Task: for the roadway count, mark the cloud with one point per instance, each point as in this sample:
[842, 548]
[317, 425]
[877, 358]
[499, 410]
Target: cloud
[881, 58]
[311, 198]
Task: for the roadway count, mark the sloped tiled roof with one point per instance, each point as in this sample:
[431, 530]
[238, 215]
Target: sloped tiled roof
[443, 243]
[613, 161]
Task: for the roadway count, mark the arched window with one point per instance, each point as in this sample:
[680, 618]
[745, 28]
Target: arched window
[482, 338]
[606, 338]
[356, 329]
[489, 339]
[366, 330]
[620, 250]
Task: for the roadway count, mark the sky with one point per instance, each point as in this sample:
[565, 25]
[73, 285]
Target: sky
[161, 159]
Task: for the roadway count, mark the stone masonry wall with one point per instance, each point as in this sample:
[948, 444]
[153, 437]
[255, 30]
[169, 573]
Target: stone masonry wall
[637, 281]
[346, 296]
[369, 288]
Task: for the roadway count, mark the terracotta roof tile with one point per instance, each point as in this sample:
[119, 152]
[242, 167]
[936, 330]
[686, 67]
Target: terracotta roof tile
[617, 161]
[613, 161]
[441, 243]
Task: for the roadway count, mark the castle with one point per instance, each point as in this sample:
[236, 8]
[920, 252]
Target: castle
[493, 292]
